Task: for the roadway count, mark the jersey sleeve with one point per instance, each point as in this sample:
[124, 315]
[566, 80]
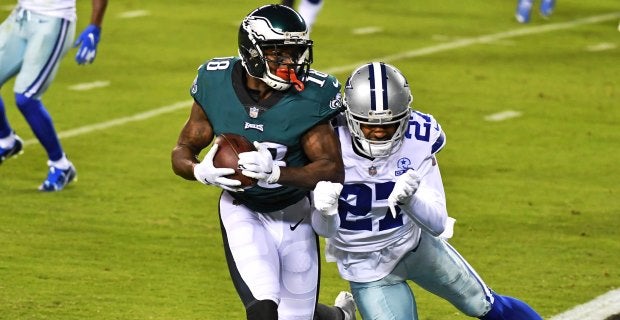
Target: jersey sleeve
[437, 136]
[196, 91]
[331, 103]
[324, 90]
[210, 73]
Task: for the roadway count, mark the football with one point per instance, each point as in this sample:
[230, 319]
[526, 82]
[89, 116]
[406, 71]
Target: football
[227, 156]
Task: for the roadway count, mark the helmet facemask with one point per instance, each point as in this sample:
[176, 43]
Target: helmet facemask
[377, 94]
[277, 29]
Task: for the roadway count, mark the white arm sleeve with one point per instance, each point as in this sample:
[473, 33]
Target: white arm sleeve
[427, 207]
[325, 226]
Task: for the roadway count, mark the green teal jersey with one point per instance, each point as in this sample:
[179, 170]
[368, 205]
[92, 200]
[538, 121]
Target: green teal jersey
[278, 121]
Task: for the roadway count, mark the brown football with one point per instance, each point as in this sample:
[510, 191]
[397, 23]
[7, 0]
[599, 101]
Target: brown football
[227, 156]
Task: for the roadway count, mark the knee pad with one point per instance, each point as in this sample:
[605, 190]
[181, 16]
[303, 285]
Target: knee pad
[299, 270]
[262, 310]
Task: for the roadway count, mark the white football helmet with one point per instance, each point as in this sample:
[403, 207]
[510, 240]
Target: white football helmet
[377, 94]
[275, 26]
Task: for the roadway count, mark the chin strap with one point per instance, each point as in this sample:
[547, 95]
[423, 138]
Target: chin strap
[289, 74]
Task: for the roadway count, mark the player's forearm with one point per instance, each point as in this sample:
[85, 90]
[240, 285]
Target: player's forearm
[183, 161]
[428, 212]
[308, 176]
[98, 11]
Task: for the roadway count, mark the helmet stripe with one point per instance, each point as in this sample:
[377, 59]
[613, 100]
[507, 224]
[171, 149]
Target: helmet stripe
[373, 98]
[378, 85]
[384, 87]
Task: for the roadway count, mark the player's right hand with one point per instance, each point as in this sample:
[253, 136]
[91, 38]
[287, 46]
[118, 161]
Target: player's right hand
[325, 197]
[405, 187]
[206, 173]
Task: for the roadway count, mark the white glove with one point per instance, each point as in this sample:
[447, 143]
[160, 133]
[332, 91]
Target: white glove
[206, 173]
[405, 187]
[259, 164]
[325, 197]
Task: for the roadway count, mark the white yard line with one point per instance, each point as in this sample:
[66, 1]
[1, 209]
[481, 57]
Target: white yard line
[121, 121]
[501, 116]
[133, 14]
[598, 309]
[89, 85]
[481, 39]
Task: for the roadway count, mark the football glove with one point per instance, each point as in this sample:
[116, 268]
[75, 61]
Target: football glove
[206, 173]
[325, 197]
[405, 187]
[88, 40]
[259, 164]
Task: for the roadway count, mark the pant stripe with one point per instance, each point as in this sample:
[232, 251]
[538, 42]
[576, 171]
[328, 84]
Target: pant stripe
[52, 61]
[486, 289]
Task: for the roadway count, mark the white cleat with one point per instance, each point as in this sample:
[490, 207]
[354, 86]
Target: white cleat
[345, 302]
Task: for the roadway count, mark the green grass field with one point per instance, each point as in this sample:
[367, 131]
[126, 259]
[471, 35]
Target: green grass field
[536, 197]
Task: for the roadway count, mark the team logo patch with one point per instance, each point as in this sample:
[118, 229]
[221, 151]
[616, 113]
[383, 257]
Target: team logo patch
[336, 103]
[194, 88]
[254, 126]
[253, 112]
[403, 165]
[372, 170]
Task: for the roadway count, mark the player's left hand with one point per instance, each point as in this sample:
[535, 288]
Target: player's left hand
[259, 164]
[88, 40]
[325, 197]
[405, 187]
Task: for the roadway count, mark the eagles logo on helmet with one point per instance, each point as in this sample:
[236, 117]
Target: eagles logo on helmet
[275, 26]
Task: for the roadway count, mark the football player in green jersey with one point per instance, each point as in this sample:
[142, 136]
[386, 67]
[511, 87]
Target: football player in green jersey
[270, 95]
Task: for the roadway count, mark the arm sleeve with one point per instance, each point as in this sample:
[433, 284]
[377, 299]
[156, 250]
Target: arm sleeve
[427, 207]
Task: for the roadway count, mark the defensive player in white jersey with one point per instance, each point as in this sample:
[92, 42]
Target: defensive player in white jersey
[33, 40]
[387, 224]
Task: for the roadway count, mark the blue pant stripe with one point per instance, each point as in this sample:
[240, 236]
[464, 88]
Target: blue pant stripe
[52, 61]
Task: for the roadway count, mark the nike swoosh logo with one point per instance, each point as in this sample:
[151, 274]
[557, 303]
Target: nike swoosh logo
[335, 83]
[293, 227]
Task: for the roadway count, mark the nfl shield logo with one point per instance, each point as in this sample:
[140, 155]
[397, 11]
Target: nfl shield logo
[253, 112]
[372, 170]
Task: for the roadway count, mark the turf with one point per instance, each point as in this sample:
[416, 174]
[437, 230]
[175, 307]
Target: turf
[535, 197]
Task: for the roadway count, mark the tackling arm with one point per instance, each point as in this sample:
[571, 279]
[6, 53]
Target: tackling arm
[427, 206]
[325, 218]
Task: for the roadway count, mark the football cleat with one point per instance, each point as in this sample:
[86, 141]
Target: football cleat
[546, 8]
[524, 7]
[345, 302]
[15, 150]
[58, 178]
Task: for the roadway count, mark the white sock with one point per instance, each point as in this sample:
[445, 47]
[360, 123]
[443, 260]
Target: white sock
[8, 142]
[62, 164]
